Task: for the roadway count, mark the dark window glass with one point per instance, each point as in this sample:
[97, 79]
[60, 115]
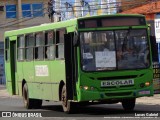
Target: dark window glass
[21, 48]
[30, 42]
[50, 45]
[60, 44]
[39, 50]
[114, 50]
[7, 49]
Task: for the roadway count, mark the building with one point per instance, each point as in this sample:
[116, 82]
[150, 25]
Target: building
[151, 9]
[2, 78]
[13, 13]
[16, 14]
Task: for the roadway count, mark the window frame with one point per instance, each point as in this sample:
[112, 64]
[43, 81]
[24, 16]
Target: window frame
[14, 10]
[49, 45]
[23, 48]
[7, 46]
[57, 42]
[27, 46]
[35, 10]
[39, 46]
[26, 10]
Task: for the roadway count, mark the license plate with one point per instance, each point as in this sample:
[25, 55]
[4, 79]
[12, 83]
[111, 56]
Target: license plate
[117, 83]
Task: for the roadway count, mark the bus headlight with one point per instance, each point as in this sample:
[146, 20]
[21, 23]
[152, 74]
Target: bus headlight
[85, 87]
[147, 84]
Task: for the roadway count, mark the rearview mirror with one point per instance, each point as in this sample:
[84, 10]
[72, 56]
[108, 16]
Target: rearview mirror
[75, 39]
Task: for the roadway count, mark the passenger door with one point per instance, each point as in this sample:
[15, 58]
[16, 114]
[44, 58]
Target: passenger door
[70, 65]
[13, 64]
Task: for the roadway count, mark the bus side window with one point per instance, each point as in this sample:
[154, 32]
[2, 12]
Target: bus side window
[39, 49]
[30, 40]
[60, 44]
[49, 45]
[21, 48]
[7, 49]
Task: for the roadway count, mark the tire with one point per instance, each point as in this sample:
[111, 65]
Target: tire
[37, 103]
[68, 107]
[28, 103]
[129, 104]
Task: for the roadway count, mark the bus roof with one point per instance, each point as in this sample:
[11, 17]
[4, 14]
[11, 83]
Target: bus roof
[70, 25]
[43, 27]
[112, 15]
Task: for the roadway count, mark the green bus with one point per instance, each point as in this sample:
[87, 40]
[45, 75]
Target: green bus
[97, 59]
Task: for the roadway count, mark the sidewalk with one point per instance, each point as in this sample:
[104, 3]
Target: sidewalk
[155, 100]
[3, 92]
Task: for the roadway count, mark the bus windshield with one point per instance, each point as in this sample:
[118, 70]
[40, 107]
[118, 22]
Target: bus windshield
[114, 50]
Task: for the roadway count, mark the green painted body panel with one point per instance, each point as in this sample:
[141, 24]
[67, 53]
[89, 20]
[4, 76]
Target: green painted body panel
[42, 87]
[8, 78]
[142, 76]
[20, 75]
[57, 72]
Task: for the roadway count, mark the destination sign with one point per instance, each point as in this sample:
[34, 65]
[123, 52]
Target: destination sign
[111, 22]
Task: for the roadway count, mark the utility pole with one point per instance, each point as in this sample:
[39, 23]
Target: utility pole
[19, 11]
[68, 5]
[84, 4]
[50, 10]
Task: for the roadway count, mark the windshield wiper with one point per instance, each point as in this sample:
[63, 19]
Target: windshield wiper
[124, 46]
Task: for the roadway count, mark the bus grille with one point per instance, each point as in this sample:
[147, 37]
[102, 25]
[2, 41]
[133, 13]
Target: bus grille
[117, 77]
[119, 94]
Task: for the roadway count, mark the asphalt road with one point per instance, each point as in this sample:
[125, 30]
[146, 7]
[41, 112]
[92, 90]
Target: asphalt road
[54, 109]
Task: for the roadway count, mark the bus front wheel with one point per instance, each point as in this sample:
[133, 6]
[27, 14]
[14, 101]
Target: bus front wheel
[67, 105]
[129, 104]
[28, 103]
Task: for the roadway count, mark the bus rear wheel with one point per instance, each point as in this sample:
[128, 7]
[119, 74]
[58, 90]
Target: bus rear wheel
[37, 103]
[129, 104]
[68, 106]
[28, 103]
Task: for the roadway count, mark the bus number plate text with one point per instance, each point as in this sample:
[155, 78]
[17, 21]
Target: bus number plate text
[117, 83]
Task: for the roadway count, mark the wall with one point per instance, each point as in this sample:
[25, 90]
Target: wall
[32, 22]
[9, 21]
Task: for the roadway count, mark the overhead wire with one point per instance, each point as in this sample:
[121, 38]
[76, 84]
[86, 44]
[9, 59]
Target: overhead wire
[26, 19]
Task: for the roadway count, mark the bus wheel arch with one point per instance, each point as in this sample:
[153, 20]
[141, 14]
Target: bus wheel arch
[23, 83]
[28, 103]
[60, 88]
[66, 105]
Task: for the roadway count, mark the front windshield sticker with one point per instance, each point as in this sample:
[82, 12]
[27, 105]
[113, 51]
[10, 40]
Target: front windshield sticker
[87, 56]
[105, 59]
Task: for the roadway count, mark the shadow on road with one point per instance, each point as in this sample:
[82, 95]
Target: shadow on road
[103, 110]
